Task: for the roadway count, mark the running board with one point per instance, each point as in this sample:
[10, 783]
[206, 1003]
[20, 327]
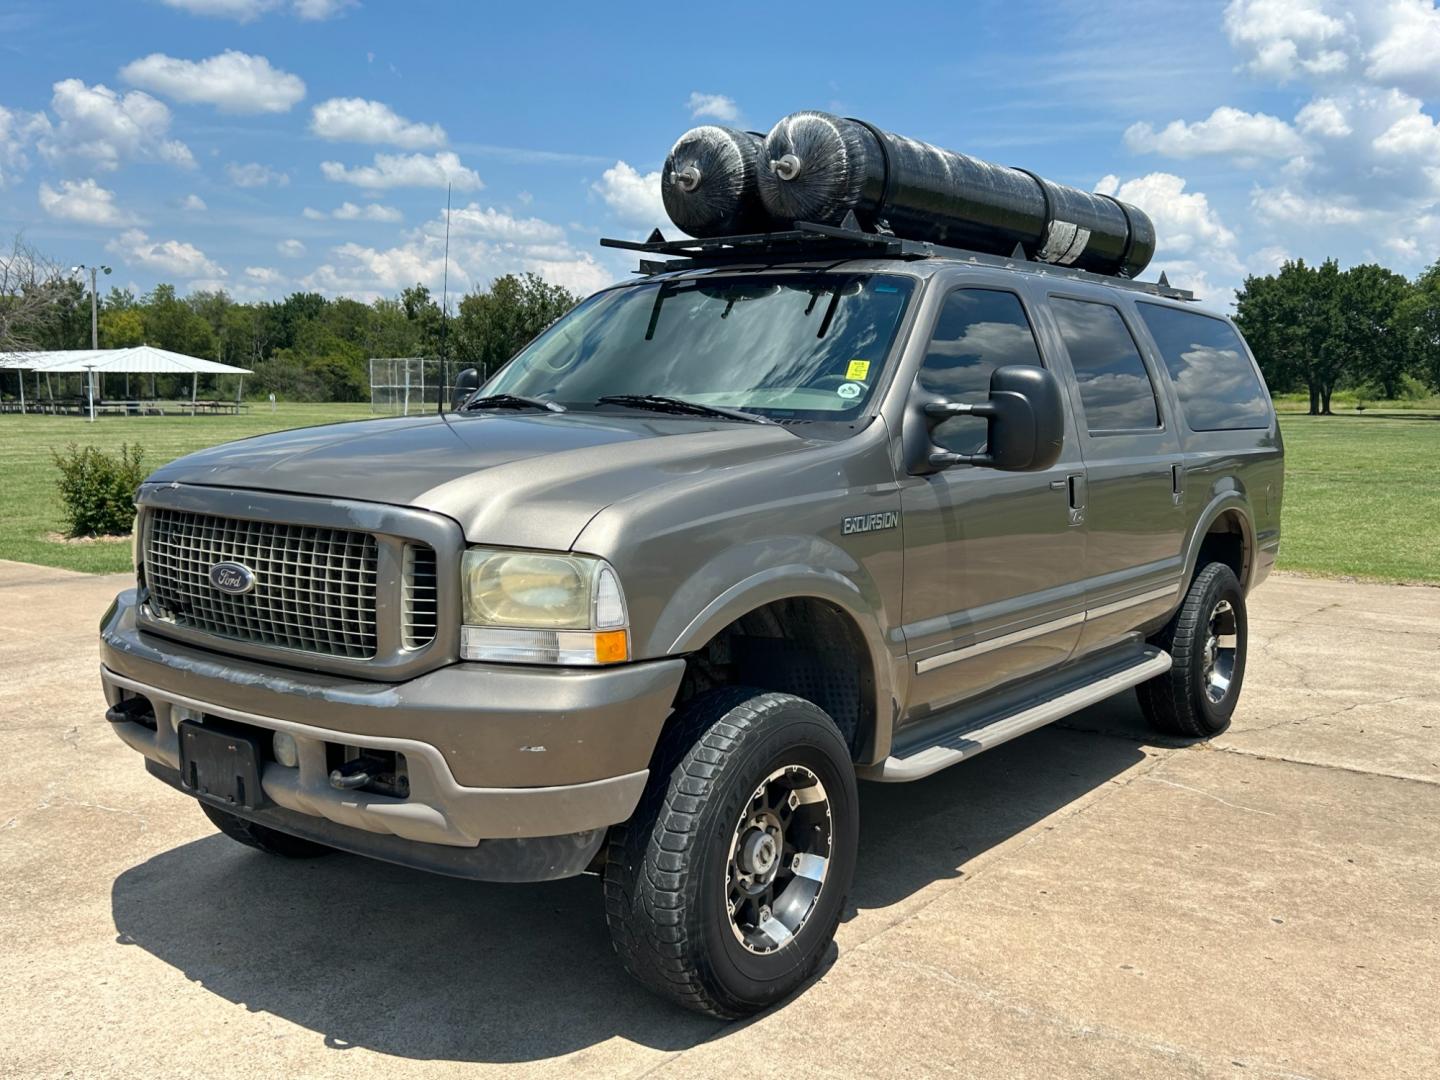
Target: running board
[956, 746]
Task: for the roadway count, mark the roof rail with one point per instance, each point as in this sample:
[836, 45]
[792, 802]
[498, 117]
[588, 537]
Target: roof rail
[849, 241]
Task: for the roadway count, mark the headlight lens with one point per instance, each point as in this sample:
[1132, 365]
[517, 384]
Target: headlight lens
[541, 607]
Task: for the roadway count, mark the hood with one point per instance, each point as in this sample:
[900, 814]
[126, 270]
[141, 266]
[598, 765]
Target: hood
[522, 480]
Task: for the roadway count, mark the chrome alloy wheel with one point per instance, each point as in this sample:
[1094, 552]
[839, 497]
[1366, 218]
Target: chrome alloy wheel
[779, 856]
[1221, 643]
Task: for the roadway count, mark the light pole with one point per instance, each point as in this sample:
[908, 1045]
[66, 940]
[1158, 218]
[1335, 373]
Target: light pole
[94, 302]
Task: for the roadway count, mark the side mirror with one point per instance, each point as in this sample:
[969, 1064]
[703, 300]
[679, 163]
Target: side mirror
[1025, 419]
[466, 383]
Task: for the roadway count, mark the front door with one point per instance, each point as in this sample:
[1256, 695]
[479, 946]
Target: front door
[994, 561]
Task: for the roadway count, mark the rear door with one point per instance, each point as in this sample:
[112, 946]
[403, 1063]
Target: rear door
[1135, 477]
[993, 560]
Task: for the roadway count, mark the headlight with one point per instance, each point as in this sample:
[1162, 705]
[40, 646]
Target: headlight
[534, 607]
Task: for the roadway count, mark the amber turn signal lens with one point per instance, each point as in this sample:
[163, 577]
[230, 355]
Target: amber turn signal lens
[612, 647]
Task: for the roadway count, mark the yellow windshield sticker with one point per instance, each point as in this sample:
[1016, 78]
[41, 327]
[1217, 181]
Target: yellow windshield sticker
[858, 370]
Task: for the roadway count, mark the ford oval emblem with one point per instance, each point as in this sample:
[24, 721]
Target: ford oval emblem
[232, 577]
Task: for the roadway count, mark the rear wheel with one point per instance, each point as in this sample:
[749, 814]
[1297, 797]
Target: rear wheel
[263, 838]
[1206, 639]
[724, 889]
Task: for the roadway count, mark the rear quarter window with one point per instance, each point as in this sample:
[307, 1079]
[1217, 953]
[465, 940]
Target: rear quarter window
[1212, 373]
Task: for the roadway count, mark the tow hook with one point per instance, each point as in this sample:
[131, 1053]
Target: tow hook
[356, 772]
[132, 709]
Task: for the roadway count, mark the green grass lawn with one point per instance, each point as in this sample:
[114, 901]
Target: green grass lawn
[30, 507]
[1362, 494]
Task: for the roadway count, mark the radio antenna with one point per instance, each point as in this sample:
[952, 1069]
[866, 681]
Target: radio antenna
[445, 314]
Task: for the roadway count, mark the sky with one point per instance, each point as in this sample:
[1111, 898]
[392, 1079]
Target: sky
[269, 146]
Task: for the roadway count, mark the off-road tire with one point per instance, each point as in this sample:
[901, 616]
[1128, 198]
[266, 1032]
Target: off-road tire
[1176, 703]
[263, 838]
[665, 867]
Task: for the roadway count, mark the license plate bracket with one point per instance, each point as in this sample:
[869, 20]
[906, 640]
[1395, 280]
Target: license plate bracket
[220, 765]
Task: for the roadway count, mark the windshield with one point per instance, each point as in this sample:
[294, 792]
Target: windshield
[808, 347]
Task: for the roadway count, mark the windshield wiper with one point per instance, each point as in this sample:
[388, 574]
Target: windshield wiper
[512, 401]
[660, 403]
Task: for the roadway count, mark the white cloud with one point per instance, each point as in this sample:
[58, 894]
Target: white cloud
[107, 128]
[716, 106]
[1284, 39]
[492, 224]
[1324, 117]
[349, 212]
[1407, 45]
[1283, 204]
[633, 197]
[1185, 223]
[1228, 131]
[167, 256]
[193, 203]
[1391, 43]
[84, 202]
[248, 10]
[1414, 136]
[253, 174]
[17, 130]
[370, 212]
[358, 120]
[234, 82]
[484, 243]
[291, 249]
[406, 170]
[1194, 247]
[264, 275]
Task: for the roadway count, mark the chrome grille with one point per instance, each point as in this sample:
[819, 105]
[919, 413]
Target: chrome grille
[419, 619]
[314, 587]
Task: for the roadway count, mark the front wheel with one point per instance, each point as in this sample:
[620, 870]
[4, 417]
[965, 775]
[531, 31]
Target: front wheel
[724, 890]
[1206, 639]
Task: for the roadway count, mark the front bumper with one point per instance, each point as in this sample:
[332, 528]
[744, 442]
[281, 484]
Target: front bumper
[493, 753]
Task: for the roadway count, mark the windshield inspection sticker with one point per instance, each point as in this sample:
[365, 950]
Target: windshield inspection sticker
[858, 370]
[849, 390]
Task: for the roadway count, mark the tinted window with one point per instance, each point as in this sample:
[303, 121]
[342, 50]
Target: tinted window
[978, 331]
[1115, 388]
[1213, 376]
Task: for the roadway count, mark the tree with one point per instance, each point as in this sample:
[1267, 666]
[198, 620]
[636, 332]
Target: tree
[1289, 319]
[1419, 320]
[494, 325]
[121, 327]
[1368, 329]
[28, 281]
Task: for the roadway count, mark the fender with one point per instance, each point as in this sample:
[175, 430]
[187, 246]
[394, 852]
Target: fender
[828, 574]
[1230, 499]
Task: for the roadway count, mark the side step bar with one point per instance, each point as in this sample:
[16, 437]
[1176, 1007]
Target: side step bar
[956, 746]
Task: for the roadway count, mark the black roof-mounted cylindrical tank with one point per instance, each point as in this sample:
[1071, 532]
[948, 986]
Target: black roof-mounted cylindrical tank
[709, 185]
[817, 167]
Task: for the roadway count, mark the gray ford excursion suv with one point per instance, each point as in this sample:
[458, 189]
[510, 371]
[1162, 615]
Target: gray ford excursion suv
[787, 511]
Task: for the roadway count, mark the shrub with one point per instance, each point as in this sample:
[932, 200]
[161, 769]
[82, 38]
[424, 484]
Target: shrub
[98, 489]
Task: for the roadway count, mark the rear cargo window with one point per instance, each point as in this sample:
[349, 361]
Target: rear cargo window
[1115, 388]
[978, 331]
[1212, 373]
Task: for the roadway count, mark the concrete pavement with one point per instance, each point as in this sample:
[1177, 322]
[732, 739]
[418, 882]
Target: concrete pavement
[1086, 901]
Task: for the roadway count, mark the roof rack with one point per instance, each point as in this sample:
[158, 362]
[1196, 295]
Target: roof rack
[849, 241]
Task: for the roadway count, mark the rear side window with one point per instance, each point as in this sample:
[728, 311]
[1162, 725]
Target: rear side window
[1213, 376]
[978, 331]
[1115, 388]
